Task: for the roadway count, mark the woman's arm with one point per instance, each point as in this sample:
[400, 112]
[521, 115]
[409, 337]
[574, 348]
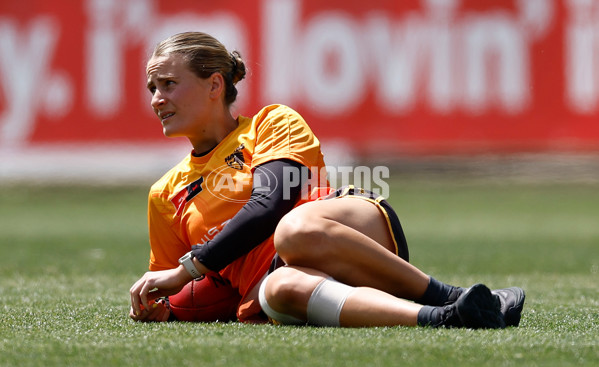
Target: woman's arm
[257, 219]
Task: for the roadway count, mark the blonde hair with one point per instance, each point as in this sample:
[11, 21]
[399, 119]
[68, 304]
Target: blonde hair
[205, 55]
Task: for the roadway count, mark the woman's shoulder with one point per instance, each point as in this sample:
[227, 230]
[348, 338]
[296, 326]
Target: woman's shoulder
[172, 177]
[276, 109]
[277, 113]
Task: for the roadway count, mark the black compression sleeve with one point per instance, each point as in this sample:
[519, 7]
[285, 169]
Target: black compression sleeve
[257, 219]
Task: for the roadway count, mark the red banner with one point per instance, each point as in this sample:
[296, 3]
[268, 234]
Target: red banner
[411, 76]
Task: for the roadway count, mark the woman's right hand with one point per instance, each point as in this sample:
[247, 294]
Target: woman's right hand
[156, 284]
[158, 312]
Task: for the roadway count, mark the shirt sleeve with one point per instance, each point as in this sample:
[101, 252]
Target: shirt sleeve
[256, 221]
[284, 134]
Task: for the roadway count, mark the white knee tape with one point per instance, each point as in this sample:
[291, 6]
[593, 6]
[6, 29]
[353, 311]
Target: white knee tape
[278, 317]
[326, 302]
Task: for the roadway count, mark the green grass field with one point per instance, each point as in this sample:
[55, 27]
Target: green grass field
[70, 254]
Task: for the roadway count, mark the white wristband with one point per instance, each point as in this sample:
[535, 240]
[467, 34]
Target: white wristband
[187, 262]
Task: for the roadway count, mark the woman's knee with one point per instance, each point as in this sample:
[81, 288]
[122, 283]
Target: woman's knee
[282, 287]
[288, 289]
[300, 233]
[295, 295]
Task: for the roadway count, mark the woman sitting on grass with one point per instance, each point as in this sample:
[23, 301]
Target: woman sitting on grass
[340, 256]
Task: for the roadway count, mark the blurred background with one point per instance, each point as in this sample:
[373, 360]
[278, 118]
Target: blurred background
[506, 88]
[482, 116]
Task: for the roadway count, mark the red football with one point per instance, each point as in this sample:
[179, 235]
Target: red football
[206, 300]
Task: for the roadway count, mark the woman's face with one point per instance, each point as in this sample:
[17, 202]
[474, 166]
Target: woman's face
[180, 99]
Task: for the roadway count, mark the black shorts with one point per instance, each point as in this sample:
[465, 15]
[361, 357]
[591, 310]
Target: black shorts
[395, 229]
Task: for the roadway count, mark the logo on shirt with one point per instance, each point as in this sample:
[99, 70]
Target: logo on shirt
[185, 195]
[236, 160]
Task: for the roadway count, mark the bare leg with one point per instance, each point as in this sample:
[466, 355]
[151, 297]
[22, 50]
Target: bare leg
[372, 307]
[289, 289]
[348, 239]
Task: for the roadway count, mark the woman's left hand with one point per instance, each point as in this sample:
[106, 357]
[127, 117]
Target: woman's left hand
[155, 284]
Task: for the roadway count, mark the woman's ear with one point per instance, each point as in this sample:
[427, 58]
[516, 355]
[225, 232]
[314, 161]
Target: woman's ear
[217, 85]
